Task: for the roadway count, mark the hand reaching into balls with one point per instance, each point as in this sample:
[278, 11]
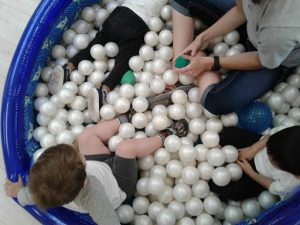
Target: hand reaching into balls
[12, 189]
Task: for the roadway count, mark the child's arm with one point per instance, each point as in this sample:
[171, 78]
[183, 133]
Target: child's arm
[247, 168]
[248, 153]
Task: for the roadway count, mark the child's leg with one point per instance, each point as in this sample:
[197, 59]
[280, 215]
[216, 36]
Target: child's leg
[238, 190]
[181, 39]
[92, 140]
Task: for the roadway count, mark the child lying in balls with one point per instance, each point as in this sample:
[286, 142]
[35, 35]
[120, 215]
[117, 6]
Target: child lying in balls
[269, 162]
[87, 173]
[126, 26]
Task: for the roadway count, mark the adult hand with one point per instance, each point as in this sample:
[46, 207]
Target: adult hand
[198, 64]
[246, 153]
[194, 47]
[12, 189]
[245, 165]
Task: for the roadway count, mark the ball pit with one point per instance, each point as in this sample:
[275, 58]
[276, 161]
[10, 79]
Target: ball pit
[18, 117]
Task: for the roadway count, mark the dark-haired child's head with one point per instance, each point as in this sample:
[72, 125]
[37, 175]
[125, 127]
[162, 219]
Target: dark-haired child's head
[283, 148]
[57, 177]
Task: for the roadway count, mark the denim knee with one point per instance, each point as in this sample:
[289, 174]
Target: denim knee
[181, 6]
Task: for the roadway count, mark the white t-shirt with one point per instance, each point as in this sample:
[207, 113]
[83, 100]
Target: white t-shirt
[284, 182]
[145, 8]
[104, 175]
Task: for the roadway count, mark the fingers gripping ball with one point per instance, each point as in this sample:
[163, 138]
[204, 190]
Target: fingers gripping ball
[181, 62]
[255, 117]
[128, 78]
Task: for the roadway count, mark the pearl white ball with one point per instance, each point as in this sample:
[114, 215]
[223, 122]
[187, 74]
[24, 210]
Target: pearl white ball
[294, 113]
[81, 27]
[112, 97]
[172, 143]
[100, 16]
[214, 124]
[88, 14]
[187, 153]
[146, 52]
[294, 80]
[122, 105]
[194, 206]
[159, 110]
[136, 63]
[155, 24]
[266, 199]
[176, 111]
[170, 77]
[48, 141]
[111, 49]
[231, 153]
[146, 163]
[39, 101]
[154, 209]
[107, 112]
[165, 37]
[65, 96]
[279, 87]
[140, 104]
[126, 91]
[58, 51]
[81, 41]
[221, 176]
[151, 38]
[126, 130]
[179, 97]
[113, 142]
[186, 80]
[142, 90]
[240, 47]
[275, 101]
[125, 214]
[251, 208]
[97, 77]
[200, 189]
[141, 186]
[178, 208]
[48, 108]
[229, 119]
[233, 214]
[205, 170]
[210, 139]
[182, 192]
[212, 205]
[193, 110]
[160, 122]
[79, 103]
[159, 66]
[220, 49]
[68, 36]
[232, 52]
[165, 53]
[65, 137]
[85, 67]
[77, 130]
[143, 220]
[56, 126]
[71, 51]
[166, 12]
[98, 52]
[174, 168]
[185, 221]
[201, 152]
[232, 38]
[197, 126]
[140, 205]
[150, 130]
[101, 65]
[162, 157]
[190, 175]
[146, 77]
[194, 95]
[75, 117]
[76, 77]
[37, 154]
[39, 132]
[167, 195]
[42, 119]
[215, 157]
[290, 93]
[157, 85]
[41, 90]
[156, 185]
[235, 171]
[139, 120]
[204, 219]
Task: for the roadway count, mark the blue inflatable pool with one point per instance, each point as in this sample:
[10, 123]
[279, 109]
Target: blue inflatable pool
[44, 30]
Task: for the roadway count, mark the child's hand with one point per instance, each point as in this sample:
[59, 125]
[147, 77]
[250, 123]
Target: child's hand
[12, 189]
[245, 165]
[246, 153]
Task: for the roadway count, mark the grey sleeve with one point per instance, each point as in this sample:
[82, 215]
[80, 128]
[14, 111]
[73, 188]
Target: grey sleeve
[24, 197]
[275, 45]
[93, 198]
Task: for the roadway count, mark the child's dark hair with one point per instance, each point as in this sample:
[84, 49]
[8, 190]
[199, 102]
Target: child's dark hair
[284, 149]
[57, 177]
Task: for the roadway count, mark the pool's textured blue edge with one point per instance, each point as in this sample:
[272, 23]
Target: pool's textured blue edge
[44, 30]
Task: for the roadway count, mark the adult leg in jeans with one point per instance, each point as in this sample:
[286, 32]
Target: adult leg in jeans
[208, 11]
[238, 89]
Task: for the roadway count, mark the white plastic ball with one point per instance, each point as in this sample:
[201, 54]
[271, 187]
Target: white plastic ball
[68, 36]
[71, 51]
[42, 119]
[210, 139]
[193, 110]
[182, 192]
[85, 89]
[100, 65]
[232, 52]
[126, 130]
[79, 103]
[39, 132]
[232, 38]
[294, 113]
[150, 130]
[159, 110]
[240, 47]
[190, 175]
[235, 171]
[125, 214]
[140, 104]
[186, 221]
[172, 143]
[229, 119]
[81, 41]
[194, 95]
[266, 199]
[201, 152]
[41, 90]
[290, 93]
[275, 101]
[212, 205]
[279, 87]
[157, 85]
[141, 186]
[166, 217]
[216, 157]
[146, 163]
[155, 24]
[159, 66]
[37, 154]
[85, 67]
[167, 195]
[122, 105]
[110, 7]
[214, 124]
[146, 77]
[160, 122]
[56, 126]
[48, 108]
[97, 77]
[112, 97]
[233, 214]
[178, 208]
[174, 168]
[113, 142]
[77, 130]
[194, 206]
[136, 63]
[81, 27]
[200, 189]
[146, 52]
[100, 16]
[88, 14]
[75, 117]
[231, 153]
[154, 209]
[165, 53]
[251, 208]
[221, 176]
[143, 220]
[162, 157]
[65, 137]
[111, 49]
[220, 49]
[156, 185]
[158, 170]
[140, 205]
[186, 80]
[139, 120]
[126, 91]
[151, 38]
[197, 126]
[170, 77]
[98, 52]
[76, 77]
[176, 111]
[65, 96]
[58, 51]
[107, 112]
[294, 80]
[142, 90]
[165, 37]
[187, 153]
[48, 141]
[179, 97]
[205, 170]
[46, 73]
[166, 12]
[204, 219]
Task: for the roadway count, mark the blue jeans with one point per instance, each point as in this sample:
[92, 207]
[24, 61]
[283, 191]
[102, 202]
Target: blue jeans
[239, 87]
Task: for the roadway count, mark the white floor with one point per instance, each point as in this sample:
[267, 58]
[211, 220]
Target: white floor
[14, 15]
